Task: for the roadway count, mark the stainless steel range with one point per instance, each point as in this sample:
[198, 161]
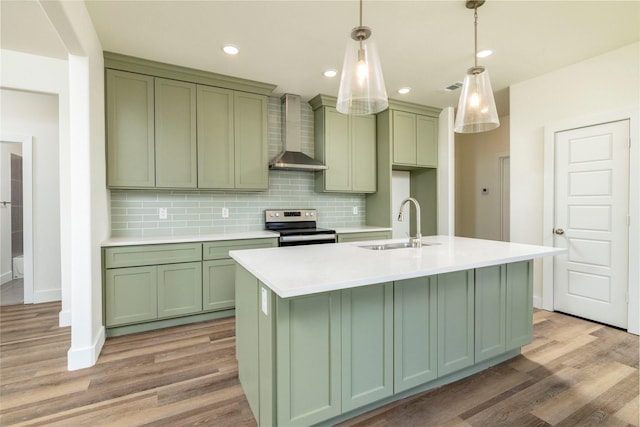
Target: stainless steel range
[297, 227]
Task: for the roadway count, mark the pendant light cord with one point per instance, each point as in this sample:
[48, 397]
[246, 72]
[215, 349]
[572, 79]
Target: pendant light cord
[361, 13]
[475, 34]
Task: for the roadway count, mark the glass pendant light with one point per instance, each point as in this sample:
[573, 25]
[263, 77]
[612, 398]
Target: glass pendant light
[362, 88]
[476, 107]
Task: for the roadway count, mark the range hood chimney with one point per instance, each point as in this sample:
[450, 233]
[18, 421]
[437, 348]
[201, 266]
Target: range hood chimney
[292, 158]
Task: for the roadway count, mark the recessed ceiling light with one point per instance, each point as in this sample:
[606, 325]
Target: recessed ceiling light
[230, 49]
[404, 90]
[484, 53]
[330, 73]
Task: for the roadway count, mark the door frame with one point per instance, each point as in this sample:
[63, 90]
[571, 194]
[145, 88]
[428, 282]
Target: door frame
[27, 215]
[633, 286]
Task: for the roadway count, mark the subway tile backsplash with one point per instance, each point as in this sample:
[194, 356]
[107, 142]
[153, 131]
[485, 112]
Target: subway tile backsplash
[135, 213]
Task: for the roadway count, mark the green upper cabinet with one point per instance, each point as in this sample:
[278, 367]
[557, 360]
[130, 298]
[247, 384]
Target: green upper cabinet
[363, 149]
[130, 130]
[404, 138]
[347, 145]
[250, 127]
[215, 138]
[232, 140]
[174, 127]
[426, 141]
[415, 139]
[175, 110]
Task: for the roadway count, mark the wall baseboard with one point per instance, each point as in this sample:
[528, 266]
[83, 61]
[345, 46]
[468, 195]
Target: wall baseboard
[537, 302]
[80, 358]
[49, 295]
[6, 277]
[64, 318]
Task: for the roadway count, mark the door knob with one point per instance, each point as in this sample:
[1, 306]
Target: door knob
[558, 231]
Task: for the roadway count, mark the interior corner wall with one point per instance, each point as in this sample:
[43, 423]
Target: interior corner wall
[598, 85]
[478, 166]
[21, 71]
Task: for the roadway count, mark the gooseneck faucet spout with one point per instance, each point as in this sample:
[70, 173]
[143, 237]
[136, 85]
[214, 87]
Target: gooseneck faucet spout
[416, 241]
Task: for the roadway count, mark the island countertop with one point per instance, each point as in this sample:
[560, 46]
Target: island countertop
[304, 270]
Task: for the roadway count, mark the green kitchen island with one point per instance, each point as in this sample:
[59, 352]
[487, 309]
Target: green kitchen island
[326, 332]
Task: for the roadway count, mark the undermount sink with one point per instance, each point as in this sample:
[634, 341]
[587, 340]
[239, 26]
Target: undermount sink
[387, 246]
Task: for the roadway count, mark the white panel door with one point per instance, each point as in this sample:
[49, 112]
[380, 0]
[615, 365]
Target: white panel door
[591, 221]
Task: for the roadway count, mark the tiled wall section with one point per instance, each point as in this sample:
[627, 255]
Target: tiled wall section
[136, 212]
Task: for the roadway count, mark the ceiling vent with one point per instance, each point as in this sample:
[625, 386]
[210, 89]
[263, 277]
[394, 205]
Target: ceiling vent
[454, 86]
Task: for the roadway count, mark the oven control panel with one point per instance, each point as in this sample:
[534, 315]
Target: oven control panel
[290, 215]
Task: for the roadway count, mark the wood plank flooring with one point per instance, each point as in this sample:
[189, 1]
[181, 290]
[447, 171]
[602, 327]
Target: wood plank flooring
[574, 373]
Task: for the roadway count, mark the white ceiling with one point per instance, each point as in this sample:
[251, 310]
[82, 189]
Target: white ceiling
[426, 45]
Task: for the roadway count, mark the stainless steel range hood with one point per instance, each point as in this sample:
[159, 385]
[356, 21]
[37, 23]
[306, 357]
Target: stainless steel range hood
[292, 158]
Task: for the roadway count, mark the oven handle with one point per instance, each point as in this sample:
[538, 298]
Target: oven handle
[306, 238]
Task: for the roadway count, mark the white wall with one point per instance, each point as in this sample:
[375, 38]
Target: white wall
[36, 114]
[48, 75]
[446, 173]
[477, 167]
[89, 198]
[6, 149]
[606, 83]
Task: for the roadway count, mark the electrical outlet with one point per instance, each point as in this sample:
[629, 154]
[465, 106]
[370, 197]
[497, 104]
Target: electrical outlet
[355, 210]
[162, 213]
[225, 212]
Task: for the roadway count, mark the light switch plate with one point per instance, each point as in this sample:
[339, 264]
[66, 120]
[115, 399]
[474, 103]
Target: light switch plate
[162, 213]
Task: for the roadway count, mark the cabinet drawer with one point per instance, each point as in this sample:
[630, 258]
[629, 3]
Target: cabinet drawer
[130, 256]
[220, 250]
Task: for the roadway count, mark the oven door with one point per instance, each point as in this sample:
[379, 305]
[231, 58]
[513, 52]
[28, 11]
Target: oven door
[306, 239]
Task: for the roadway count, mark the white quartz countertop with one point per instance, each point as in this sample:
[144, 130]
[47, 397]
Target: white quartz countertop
[190, 238]
[302, 270]
[156, 240]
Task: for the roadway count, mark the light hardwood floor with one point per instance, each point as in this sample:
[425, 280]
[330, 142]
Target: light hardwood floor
[575, 373]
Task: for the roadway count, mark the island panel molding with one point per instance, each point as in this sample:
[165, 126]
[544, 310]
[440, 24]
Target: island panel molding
[361, 348]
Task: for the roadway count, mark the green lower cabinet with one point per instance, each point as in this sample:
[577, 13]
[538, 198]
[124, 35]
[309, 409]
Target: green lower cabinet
[519, 306]
[455, 321]
[179, 289]
[131, 295]
[504, 308]
[308, 359]
[490, 313]
[362, 236]
[415, 332]
[320, 358]
[218, 284]
[367, 345]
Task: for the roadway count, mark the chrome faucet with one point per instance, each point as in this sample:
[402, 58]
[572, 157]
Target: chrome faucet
[416, 242]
